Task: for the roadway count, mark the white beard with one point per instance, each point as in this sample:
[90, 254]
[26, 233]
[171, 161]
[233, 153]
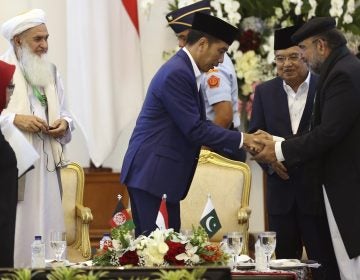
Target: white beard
[37, 69]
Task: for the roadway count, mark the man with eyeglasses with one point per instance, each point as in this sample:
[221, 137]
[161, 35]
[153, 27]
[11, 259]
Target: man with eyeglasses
[333, 141]
[296, 212]
[37, 108]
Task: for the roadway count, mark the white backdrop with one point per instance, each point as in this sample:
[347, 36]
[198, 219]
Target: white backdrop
[155, 37]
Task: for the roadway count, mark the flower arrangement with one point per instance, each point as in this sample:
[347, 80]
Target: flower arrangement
[252, 53]
[160, 248]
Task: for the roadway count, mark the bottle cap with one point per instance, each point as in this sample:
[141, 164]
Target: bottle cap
[106, 234]
[37, 237]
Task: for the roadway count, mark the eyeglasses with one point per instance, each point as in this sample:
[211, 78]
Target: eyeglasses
[280, 59]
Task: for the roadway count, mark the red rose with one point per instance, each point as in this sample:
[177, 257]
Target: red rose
[129, 257]
[175, 248]
[249, 40]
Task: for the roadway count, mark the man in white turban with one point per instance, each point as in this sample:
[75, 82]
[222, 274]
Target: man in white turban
[37, 109]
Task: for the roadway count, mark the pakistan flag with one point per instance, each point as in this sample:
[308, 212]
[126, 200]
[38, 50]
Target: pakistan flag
[209, 219]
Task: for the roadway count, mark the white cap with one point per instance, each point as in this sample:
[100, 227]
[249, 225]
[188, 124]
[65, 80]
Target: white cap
[22, 22]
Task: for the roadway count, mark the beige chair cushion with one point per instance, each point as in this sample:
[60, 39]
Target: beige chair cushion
[76, 216]
[228, 183]
[69, 182]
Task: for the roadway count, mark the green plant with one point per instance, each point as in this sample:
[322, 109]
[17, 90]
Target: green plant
[180, 274]
[91, 275]
[20, 274]
[64, 273]
[137, 278]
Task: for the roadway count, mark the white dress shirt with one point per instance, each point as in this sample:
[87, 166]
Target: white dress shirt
[296, 103]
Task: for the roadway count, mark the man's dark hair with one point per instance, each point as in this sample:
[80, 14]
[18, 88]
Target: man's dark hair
[334, 38]
[195, 35]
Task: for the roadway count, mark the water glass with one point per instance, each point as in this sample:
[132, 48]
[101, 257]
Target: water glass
[234, 244]
[186, 232]
[58, 243]
[268, 244]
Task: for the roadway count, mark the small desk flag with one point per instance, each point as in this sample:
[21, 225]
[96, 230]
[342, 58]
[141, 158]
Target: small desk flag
[209, 219]
[121, 216]
[162, 220]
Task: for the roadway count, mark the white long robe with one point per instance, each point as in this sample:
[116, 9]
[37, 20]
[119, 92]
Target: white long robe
[41, 211]
[349, 268]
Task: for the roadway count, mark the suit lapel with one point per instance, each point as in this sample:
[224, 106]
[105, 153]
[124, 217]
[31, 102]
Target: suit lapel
[202, 105]
[197, 93]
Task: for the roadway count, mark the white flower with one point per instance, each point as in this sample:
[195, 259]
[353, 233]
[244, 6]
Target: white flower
[154, 253]
[336, 9]
[116, 244]
[278, 12]
[350, 9]
[231, 8]
[183, 3]
[153, 248]
[311, 12]
[348, 18]
[189, 255]
[233, 48]
[253, 23]
[228, 7]
[298, 8]
[353, 41]
[286, 6]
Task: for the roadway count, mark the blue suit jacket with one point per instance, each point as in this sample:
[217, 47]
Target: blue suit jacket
[271, 113]
[169, 132]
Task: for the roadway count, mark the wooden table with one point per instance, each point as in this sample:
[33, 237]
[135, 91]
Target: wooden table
[278, 275]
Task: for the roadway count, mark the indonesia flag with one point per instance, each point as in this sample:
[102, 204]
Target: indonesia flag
[104, 72]
[162, 220]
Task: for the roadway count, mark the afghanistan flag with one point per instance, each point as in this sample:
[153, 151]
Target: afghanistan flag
[121, 216]
[209, 219]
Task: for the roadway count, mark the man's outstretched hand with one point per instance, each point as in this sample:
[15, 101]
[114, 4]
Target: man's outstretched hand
[267, 154]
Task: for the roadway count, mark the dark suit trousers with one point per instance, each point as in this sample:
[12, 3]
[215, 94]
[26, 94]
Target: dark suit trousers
[8, 203]
[145, 208]
[294, 229]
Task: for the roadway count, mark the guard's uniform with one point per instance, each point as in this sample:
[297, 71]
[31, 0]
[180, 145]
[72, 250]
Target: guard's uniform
[220, 84]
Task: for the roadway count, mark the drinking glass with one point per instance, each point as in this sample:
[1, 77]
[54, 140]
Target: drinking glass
[186, 232]
[268, 244]
[58, 243]
[235, 243]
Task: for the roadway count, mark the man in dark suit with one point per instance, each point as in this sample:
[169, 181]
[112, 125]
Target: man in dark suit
[172, 126]
[334, 137]
[282, 107]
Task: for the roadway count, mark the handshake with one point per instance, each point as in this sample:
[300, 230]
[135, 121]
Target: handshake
[261, 146]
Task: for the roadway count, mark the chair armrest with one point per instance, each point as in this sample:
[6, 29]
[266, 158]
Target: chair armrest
[84, 213]
[244, 215]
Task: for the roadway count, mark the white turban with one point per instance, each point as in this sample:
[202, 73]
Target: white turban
[22, 22]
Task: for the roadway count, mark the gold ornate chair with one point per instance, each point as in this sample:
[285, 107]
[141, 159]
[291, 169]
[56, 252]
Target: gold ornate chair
[77, 217]
[228, 182]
